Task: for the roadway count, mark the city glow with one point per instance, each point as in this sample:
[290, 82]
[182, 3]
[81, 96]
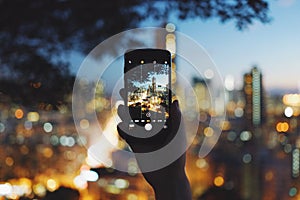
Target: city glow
[5, 189]
[291, 99]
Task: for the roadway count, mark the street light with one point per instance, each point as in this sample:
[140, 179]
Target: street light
[288, 112]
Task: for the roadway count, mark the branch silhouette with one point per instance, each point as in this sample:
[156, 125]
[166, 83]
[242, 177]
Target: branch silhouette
[35, 35]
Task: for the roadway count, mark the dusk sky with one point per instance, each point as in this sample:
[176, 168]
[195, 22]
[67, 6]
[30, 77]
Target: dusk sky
[273, 47]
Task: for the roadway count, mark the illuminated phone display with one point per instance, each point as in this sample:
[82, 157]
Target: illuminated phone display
[147, 83]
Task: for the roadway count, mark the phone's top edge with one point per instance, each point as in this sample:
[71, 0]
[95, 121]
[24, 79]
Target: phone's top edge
[145, 49]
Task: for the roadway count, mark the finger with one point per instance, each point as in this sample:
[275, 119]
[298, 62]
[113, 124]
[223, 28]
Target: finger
[122, 130]
[123, 112]
[122, 93]
[175, 114]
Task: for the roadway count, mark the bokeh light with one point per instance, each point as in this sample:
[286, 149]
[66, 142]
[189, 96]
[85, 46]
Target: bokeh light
[48, 127]
[239, 112]
[293, 191]
[84, 124]
[208, 132]
[5, 189]
[52, 185]
[288, 112]
[80, 182]
[2, 127]
[28, 125]
[231, 136]
[9, 161]
[121, 183]
[39, 189]
[282, 127]
[19, 113]
[89, 175]
[291, 99]
[219, 181]
[247, 158]
[245, 136]
[209, 74]
[33, 116]
[229, 83]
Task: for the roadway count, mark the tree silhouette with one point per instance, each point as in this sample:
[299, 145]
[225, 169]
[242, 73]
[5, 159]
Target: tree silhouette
[35, 34]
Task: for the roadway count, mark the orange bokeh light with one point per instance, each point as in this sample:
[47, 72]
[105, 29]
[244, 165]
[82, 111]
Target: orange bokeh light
[19, 113]
[219, 181]
[282, 127]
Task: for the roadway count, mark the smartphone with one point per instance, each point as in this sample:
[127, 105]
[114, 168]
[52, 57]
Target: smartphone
[147, 74]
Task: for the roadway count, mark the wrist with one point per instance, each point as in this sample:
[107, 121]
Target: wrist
[173, 188]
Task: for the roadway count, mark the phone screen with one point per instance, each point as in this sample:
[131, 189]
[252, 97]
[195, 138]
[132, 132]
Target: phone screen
[148, 88]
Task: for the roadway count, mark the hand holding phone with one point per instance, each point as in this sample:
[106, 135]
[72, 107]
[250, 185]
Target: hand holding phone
[150, 120]
[169, 182]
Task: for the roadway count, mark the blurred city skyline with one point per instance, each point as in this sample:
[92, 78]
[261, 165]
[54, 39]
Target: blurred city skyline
[55, 140]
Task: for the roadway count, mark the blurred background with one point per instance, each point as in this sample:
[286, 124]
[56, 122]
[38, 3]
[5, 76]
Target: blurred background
[255, 45]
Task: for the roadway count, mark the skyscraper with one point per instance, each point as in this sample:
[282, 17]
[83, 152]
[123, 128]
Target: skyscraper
[254, 97]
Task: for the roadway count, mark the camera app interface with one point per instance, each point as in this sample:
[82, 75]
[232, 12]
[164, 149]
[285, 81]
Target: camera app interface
[148, 93]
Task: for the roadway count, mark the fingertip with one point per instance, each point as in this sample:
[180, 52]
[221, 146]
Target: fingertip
[120, 108]
[122, 93]
[175, 106]
[176, 103]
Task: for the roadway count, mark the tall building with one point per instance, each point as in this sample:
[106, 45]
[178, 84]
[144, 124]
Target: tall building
[153, 84]
[254, 119]
[254, 96]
